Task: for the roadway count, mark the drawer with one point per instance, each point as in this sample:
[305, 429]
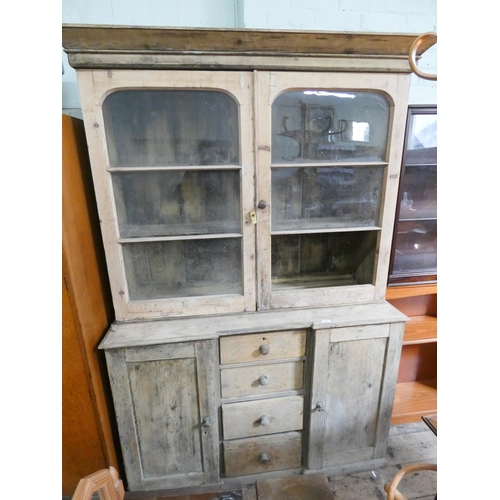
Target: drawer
[254, 380]
[262, 346]
[264, 416]
[263, 454]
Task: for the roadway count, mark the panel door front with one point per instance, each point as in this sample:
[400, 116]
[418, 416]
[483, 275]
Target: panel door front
[172, 161]
[167, 419]
[354, 379]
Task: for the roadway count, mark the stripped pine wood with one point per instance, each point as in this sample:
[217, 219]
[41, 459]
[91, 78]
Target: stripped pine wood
[141, 47]
[270, 416]
[263, 160]
[94, 38]
[246, 345]
[94, 87]
[162, 406]
[262, 379]
[178, 330]
[245, 456]
[256, 347]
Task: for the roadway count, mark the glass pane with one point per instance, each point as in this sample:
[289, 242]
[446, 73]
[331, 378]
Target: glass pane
[419, 192]
[186, 268]
[318, 125]
[416, 247]
[319, 260]
[171, 127]
[422, 139]
[323, 198]
[178, 202]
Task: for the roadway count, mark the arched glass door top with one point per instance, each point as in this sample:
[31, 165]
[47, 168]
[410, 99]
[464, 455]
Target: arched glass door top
[329, 126]
[171, 127]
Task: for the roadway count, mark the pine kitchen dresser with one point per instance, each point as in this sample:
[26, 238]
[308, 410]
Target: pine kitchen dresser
[246, 183]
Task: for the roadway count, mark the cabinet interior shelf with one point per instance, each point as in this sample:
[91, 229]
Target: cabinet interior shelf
[414, 400]
[416, 393]
[420, 330]
[403, 291]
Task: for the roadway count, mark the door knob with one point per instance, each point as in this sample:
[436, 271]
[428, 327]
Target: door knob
[262, 204]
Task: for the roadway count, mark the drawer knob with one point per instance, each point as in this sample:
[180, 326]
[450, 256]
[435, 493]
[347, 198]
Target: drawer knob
[264, 349]
[264, 458]
[320, 406]
[263, 380]
[264, 420]
[206, 422]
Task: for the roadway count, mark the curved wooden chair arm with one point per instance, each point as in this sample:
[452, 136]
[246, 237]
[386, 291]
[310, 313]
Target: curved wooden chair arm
[413, 53]
[391, 488]
[105, 481]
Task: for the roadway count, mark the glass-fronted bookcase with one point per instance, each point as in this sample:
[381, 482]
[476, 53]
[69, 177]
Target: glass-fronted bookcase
[414, 250]
[244, 192]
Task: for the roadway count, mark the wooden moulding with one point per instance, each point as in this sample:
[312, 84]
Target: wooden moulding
[111, 46]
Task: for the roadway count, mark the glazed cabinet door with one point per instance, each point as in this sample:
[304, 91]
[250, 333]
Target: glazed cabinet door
[165, 406]
[353, 385]
[172, 161]
[329, 151]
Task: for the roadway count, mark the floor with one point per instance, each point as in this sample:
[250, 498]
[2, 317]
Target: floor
[408, 443]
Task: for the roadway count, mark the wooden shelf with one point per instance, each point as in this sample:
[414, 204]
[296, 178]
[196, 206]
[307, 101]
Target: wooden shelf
[414, 400]
[420, 330]
[403, 291]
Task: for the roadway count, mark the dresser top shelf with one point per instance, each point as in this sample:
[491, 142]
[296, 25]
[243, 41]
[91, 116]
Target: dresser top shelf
[144, 333]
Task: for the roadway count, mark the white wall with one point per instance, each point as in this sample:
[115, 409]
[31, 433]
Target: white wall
[390, 16]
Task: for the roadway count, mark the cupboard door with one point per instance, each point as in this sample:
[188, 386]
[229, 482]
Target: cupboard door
[329, 148]
[166, 412]
[172, 159]
[351, 406]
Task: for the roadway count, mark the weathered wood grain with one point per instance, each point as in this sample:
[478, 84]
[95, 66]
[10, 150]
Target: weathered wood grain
[178, 330]
[94, 87]
[242, 455]
[262, 347]
[352, 406]
[269, 416]
[262, 379]
[91, 46]
[161, 405]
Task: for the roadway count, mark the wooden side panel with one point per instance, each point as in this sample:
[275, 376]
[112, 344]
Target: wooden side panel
[82, 451]
[88, 427]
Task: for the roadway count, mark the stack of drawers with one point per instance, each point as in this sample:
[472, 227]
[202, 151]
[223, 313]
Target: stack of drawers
[262, 382]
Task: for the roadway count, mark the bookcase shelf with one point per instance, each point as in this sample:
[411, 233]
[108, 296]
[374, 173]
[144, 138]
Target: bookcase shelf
[416, 390]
